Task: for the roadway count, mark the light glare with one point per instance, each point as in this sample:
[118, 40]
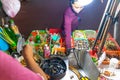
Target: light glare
[84, 2]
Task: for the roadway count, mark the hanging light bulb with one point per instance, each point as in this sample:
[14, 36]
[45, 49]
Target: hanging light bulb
[84, 2]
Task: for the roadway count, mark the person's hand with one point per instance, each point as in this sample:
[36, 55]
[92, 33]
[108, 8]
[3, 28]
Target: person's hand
[48, 77]
[27, 51]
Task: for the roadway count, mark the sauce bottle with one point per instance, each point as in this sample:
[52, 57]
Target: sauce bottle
[46, 51]
[14, 28]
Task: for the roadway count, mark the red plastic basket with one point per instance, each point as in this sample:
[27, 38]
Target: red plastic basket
[55, 30]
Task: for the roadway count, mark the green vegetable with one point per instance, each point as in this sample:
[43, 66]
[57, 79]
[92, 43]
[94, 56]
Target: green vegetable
[5, 36]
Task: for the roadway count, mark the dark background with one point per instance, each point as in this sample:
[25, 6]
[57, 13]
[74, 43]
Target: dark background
[41, 14]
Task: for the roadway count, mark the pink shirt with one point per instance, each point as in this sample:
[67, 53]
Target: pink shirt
[11, 69]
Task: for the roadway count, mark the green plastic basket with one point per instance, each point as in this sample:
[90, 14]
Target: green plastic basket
[90, 33]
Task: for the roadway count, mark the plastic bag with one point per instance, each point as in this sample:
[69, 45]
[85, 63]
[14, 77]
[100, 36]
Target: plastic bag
[72, 59]
[11, 7]
[3, 44]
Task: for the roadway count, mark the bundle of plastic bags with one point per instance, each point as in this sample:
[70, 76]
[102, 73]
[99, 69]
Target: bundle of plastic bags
[11, 7]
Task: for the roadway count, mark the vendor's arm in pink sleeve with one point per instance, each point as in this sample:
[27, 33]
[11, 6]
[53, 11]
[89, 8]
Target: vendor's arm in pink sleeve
[11, 69]
[67, 31]
[68, 18]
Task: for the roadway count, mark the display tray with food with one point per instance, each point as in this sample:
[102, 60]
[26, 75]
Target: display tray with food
[47, 43]
[110, 73]
[111, 48]
[111, 45]
[110, 68]
[90, 33]
[77, 34]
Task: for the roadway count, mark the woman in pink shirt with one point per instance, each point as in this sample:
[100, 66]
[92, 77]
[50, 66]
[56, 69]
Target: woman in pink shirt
[11, 69]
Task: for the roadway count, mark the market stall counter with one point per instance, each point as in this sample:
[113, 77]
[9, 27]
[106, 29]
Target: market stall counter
[50, 43]
[81, 63]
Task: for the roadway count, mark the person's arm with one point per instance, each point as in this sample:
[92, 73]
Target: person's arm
[32, 65]
[67, 29]
[67, 26]
[69, 16]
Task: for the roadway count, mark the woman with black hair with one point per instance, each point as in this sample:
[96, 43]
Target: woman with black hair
[71, 20]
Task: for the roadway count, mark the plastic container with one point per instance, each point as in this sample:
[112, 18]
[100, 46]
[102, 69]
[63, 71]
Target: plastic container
[90, 33]
[77, 34]
[81, 43]
[55, 30]
[3, 45]
[46, 51]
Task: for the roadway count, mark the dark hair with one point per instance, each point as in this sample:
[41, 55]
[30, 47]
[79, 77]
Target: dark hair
[72, 1]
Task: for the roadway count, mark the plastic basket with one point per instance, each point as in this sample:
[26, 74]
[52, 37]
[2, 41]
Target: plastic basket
[90, 33]
[78, 34]
[81, 43]
[55, 30]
